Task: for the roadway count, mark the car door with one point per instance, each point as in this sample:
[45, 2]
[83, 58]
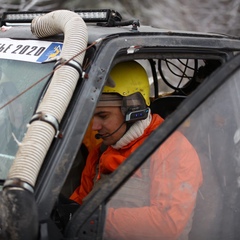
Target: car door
[209, 119]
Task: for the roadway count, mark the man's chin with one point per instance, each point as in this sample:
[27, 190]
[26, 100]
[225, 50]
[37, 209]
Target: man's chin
[108, 142]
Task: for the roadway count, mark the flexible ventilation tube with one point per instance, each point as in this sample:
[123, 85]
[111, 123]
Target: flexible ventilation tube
[40, 134]
[19, 213]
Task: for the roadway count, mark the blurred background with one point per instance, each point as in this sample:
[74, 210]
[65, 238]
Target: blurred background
[194, 15]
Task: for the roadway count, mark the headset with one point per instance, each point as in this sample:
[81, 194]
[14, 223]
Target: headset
[133, 116]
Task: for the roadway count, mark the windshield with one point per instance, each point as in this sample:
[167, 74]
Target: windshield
[18, 78]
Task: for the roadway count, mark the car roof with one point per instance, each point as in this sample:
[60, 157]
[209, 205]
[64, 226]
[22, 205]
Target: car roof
[95, 32]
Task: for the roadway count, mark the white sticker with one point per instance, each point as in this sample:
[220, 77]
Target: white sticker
[29, 50]
[133, 49]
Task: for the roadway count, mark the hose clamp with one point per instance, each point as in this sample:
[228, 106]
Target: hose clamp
[71, 63]
[46, 118]
[18, 183]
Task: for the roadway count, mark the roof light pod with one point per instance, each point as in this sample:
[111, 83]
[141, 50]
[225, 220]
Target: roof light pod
[97, 16]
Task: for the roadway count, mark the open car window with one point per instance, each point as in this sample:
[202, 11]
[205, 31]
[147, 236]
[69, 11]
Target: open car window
[171, 81]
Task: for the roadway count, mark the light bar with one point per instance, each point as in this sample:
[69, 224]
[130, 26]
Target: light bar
[94, 15]
[21, 18]
[13, 18]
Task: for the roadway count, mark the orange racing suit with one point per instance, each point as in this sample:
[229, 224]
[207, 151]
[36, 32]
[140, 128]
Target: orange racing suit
[174, 175]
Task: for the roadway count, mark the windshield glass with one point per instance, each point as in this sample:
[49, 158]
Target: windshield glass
[18, 78]
[177, 195]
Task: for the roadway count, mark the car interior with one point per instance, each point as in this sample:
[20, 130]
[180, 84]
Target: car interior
[188, 75]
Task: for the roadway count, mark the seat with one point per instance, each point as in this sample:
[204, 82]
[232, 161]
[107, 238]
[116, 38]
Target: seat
[166, 105]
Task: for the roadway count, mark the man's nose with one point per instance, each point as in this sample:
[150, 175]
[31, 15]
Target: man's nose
[96, 126]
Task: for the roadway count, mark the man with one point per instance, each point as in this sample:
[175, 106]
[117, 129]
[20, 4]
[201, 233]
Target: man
[157, 202]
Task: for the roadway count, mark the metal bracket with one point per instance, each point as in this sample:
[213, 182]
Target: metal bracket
[46, 118]
[71, 63]
[18, 183]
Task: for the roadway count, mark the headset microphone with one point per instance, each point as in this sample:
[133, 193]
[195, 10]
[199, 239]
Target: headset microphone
[98, 136]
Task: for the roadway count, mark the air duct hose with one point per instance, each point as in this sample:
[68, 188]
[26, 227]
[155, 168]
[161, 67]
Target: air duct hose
[18, 188]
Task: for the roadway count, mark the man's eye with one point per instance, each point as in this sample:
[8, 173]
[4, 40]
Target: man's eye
[103, 116]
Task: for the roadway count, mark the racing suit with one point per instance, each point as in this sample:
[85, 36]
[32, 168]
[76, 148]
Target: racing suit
[157, 202]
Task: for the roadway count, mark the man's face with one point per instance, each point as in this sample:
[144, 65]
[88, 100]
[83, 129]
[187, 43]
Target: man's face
[106, 120]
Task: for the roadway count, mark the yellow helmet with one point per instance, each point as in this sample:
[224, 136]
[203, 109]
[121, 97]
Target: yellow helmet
[129, 78]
